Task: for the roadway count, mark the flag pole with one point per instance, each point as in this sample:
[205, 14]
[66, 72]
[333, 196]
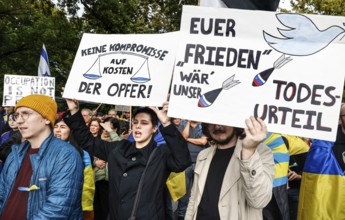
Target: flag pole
[130, 118]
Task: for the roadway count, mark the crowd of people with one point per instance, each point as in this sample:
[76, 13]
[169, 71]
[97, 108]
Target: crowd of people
[84, 164]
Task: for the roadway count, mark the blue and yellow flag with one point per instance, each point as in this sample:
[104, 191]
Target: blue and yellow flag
[281, 158]
[322, 194]
[281, 166]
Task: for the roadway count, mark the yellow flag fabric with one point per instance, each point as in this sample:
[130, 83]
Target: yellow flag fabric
[89, 184]
[296, 145]
[176, 184]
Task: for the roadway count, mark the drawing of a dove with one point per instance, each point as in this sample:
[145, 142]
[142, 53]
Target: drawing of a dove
[301, 38]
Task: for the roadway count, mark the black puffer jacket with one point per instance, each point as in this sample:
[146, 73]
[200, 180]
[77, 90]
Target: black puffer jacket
[126, 164]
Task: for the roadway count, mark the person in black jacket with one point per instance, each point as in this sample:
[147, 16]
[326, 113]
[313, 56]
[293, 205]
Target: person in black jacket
[127, 161]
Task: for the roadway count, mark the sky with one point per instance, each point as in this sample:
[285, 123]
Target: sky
[285, 4]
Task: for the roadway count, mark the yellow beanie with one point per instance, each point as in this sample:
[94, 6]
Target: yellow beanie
[44, 105]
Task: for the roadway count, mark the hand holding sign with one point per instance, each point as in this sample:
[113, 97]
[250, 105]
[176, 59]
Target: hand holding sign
[73, 104]
[256, 131]
[162, 114]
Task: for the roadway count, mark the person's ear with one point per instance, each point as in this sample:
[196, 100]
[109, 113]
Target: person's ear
[46, 121]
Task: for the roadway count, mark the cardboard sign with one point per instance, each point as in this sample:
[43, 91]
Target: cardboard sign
[287, 69]
[18, 86]
[122, 108]
[133, 70]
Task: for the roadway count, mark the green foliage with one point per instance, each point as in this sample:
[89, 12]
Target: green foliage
[24, 27]
[26, 24]
[322, 7]
[129, 16]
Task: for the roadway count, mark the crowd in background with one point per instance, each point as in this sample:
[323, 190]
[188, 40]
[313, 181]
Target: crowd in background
[115, 126]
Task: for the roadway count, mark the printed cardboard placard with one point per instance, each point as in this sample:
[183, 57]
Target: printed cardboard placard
[133, 70]
[287, 69]
[18, 86]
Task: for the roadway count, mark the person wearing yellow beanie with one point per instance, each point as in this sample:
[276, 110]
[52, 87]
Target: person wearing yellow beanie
[43, 176]
[44, 105]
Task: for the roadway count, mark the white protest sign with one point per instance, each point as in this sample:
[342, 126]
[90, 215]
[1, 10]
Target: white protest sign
[18, 86]
[122, 108]
[132, 70]
[287, 69]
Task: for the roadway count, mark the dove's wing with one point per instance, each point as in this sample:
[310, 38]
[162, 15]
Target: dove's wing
[270, 39]
[295, 21]
[299, 26]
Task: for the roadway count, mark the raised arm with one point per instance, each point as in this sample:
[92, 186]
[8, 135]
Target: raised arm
[179, 158]
[256, 165]
[82, 135]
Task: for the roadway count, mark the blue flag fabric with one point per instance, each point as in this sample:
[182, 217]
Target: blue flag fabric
[43, 67]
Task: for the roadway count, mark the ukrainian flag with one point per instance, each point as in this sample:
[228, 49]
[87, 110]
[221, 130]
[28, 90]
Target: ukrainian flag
[281, 166]
[281, 158]
[322, 194]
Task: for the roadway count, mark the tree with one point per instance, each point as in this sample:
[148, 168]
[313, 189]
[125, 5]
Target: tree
[24, 27]
[26, 24]
[322, 7]
[128, 16]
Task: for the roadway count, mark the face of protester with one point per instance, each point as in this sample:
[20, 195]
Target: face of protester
[127, 115]
[31, 124]
[94, 128]
[86, 115]
[112, 113]
[12, 123]
[177, 121]
[8, 110]
[62, 131]
[221, 134]
[342, 117]
[105, 132]
[142, 129]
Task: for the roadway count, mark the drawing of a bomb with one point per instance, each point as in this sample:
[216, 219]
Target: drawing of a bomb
[207, 99]
[261, 78]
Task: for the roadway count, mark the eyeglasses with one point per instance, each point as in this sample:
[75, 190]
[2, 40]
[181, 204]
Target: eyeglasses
[23, 115]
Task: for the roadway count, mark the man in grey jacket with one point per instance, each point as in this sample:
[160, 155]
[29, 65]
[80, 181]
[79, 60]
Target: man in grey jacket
[233, 177]
[43, 176]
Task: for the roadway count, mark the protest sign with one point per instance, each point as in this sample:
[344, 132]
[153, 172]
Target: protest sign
[287, 69]
[18, 86]
[122, 108]
[133, 70]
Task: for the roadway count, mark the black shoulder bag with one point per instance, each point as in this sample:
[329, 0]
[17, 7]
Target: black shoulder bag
[140, 186]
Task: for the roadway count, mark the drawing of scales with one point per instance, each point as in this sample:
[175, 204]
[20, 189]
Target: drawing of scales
[136, 63]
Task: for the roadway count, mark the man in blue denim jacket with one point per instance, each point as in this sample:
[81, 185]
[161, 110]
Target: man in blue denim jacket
[43, 176]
